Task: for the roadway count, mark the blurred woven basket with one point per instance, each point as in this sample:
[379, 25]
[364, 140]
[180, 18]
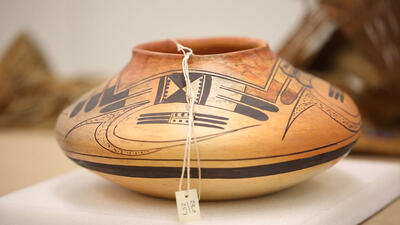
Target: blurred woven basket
[30, 95]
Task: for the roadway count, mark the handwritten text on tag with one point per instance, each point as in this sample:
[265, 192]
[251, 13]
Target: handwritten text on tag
[188, 205]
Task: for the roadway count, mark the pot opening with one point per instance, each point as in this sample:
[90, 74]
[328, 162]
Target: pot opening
[207, 46]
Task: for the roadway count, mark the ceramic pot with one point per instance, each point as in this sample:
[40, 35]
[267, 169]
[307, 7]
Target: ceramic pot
[261, 124]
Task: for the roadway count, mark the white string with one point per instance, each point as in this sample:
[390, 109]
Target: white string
[190, 98]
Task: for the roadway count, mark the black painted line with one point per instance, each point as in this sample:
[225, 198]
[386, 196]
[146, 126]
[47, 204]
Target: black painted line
[112, 107]
[210, 116]
[159, 90]
[217, 160]
[246, 110]
[289, 123]
[259, 103]
[118, 80]
[272, 73]
[156, 114]
[226, 98]
[285, 84]
[331, 92]
[250, 112]
[130, 106]
[126, 107]
[217, 173]
[137, 94]
[77, 108]
[244, 94]
[208, 125]
[207, 73]
[181, 142]
[206, 89]
[326, 101]
[155, 118]
[152, 122]
[210, 121]
[196, 115]
[109, 96]
[93, 102]
[233, 90]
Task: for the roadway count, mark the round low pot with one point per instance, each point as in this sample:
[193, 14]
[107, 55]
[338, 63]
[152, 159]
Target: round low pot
[261, 124]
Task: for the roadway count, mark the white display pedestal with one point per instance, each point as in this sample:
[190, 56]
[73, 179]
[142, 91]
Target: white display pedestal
[348, 193]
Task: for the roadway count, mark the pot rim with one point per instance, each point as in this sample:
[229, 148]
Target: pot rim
[232, 45]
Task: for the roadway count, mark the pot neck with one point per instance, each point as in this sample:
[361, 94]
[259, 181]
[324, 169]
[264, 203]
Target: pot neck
[242, 58]
[202, 47]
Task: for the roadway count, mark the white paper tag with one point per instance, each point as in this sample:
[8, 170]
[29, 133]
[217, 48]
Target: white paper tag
[188, 205]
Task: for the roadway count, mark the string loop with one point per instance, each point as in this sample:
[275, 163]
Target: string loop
[190, 99]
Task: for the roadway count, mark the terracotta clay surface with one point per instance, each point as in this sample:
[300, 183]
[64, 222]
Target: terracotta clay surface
[261, 124]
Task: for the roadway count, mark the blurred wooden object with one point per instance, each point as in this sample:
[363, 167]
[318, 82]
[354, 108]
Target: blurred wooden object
[304, 44]
[356, 46]
[30, 95]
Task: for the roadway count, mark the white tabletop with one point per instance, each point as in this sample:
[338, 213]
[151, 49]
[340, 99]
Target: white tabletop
[348, 193]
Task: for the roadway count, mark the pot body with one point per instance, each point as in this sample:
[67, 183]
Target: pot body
[261, 124]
